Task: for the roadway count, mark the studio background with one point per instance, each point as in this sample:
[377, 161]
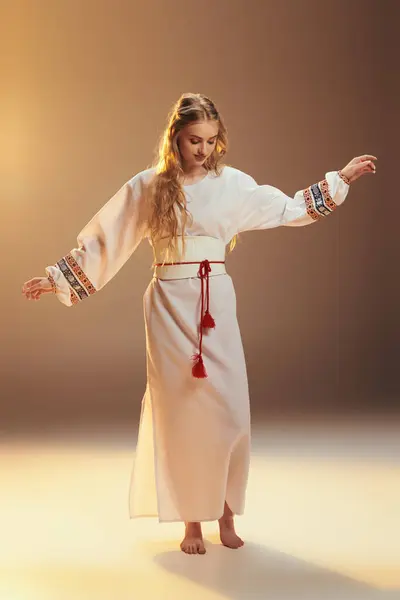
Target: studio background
[303, 86]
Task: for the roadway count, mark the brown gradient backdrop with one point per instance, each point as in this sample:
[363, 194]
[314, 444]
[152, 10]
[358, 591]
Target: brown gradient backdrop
[303, 86]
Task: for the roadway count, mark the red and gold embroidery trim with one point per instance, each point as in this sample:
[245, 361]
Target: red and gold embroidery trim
[73, 297]
[79, 282]
[80, 275]
[53, 284]
[324, 187]
[318, 200]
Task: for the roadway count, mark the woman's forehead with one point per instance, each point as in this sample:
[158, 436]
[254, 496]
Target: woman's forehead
[203, 129]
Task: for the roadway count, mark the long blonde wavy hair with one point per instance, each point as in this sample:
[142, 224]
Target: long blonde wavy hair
[168, 211]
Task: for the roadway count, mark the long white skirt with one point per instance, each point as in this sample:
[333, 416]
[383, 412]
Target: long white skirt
[193, 446]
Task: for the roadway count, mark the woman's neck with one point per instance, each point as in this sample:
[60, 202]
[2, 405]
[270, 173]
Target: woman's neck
[193, 174]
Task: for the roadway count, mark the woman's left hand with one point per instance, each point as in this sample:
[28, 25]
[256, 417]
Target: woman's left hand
[359, 166]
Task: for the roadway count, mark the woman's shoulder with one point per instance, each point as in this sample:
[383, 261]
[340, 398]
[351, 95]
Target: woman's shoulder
[143, 177]
[236, 176]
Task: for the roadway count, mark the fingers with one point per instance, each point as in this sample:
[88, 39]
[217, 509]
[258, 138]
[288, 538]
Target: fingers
[363, 168]
[363, 158]
[366, 166]
[32, 289]
[33, 294]
[369, 167]
[35, 287]
[32, 285]
[29, 284]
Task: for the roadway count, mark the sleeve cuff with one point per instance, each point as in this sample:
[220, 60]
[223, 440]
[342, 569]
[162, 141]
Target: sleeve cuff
[60, 285]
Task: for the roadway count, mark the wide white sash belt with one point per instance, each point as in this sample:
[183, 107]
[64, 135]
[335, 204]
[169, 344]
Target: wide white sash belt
[197, 249]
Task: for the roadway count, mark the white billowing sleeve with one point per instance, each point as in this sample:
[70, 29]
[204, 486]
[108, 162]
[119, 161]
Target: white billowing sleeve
[103, 245]
[265, 206]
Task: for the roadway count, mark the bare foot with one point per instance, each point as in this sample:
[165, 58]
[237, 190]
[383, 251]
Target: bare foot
[193, 542]
[227, 531]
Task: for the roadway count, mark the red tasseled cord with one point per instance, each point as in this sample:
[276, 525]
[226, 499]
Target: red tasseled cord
[206, 320]
[199, 370]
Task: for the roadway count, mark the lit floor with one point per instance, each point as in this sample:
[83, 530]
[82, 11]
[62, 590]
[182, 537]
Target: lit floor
[322, 521]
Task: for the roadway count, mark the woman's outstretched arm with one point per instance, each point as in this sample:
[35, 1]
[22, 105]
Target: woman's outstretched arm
[103, 247]
[265, 206]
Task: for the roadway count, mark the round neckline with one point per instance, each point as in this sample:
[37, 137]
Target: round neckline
[198, 181]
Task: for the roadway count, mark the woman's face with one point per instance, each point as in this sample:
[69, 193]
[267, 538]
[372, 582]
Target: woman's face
[196, 142]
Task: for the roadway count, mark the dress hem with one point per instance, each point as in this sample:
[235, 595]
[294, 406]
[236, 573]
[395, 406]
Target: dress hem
[207, 520]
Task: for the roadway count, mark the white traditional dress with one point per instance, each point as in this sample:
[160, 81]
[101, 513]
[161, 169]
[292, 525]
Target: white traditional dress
[193, 446]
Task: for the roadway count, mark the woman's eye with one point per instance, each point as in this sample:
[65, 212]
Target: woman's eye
[197, 142]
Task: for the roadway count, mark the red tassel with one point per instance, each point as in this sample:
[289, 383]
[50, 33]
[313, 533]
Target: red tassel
[208, 322]
[198, 369]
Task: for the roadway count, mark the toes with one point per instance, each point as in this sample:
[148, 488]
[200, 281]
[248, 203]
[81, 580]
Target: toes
[193, 547]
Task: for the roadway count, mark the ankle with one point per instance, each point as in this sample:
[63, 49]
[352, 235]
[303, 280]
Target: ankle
[193, 528]
[226, 520]
[227, 511]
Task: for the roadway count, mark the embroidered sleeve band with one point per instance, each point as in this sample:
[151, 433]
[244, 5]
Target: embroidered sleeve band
[81, 286]
[318, 200]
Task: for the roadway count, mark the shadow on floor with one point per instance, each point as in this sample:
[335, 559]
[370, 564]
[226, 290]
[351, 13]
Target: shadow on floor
[258, 572]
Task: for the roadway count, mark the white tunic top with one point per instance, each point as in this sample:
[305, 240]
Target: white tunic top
[221, 207]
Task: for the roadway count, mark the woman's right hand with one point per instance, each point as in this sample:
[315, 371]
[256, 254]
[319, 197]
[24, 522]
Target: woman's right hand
[359, 166]
[34, 288]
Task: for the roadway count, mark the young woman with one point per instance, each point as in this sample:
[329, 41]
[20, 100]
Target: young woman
[193, 450]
